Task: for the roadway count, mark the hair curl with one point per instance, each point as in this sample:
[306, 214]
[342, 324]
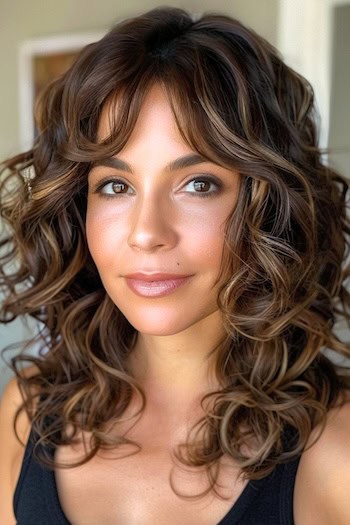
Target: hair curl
[238, 104]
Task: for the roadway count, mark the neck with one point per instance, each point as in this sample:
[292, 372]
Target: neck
[181, 367]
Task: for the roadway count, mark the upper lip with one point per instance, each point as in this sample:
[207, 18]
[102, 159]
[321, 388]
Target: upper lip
[157, 276]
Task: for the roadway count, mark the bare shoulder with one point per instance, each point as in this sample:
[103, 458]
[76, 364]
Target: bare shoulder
[322, 485]
[11, 449]
[11, 399]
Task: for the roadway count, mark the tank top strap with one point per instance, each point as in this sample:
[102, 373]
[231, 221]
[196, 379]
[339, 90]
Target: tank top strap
[26, 462]
[268, 500]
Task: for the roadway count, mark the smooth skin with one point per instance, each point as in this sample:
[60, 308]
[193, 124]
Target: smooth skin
[154, 220]
[159, 223]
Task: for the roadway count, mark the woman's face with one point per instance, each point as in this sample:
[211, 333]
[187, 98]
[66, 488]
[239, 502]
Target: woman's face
[149, 218]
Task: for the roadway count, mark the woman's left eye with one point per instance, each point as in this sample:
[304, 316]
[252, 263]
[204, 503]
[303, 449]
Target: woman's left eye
[202, 184]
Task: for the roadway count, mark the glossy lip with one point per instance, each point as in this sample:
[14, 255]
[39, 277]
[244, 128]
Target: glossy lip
[154, 288]
[157, 276]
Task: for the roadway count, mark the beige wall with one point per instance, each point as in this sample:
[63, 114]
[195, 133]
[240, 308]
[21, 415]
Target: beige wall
[339, 125]
[24, 19]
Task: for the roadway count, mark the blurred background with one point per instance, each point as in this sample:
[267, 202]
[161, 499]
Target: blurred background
[38, 39]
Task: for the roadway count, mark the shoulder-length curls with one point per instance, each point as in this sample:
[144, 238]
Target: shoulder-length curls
[286, 242]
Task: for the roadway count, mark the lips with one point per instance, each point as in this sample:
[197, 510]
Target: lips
[156, 276]
[156, 284]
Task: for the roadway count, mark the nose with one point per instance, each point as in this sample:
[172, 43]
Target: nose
[152, 225]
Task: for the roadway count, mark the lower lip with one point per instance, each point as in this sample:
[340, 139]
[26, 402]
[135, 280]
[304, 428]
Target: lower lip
[155, 288]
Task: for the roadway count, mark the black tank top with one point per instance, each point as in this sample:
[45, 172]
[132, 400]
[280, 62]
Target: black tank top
[268, 501]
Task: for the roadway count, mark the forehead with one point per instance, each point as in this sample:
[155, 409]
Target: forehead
[155, 109]
[156, 115]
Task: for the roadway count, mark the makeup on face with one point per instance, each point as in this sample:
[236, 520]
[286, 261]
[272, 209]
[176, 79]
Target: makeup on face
[155, 223]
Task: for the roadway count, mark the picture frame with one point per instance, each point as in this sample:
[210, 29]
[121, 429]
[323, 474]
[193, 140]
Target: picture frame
[40, 61]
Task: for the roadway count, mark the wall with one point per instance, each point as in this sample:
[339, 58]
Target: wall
[339, 125]
[22, 19]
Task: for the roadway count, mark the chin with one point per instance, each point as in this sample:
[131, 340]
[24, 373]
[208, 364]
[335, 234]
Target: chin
[157, 328]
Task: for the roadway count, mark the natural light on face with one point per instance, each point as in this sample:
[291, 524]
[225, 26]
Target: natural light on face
[147, 213]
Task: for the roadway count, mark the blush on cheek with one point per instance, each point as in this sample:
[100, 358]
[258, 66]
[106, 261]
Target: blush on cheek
[90, 229]
[96, 241]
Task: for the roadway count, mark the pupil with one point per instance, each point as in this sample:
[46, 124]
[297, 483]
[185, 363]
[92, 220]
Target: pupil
[201, 185]
[116, 187]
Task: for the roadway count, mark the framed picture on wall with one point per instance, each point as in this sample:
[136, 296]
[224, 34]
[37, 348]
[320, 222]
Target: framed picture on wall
[41, 60]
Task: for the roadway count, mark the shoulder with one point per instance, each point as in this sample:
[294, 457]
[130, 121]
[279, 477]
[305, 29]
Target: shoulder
[11, 449]
[11, 399]
[322, 485]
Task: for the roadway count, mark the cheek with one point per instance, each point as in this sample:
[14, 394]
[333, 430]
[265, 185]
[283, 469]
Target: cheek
[104, 234]
[201, 241]
[206, 242]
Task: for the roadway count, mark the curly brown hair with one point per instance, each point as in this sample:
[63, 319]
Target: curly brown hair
[286, 242]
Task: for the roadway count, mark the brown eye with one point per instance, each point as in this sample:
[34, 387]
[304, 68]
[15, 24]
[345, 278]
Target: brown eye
[113, 187]
[117, 187]
[202, 186]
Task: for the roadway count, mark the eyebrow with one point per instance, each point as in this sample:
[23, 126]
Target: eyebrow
[185, 161]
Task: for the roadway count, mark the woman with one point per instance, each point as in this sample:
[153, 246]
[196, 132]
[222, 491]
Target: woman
[183, 246]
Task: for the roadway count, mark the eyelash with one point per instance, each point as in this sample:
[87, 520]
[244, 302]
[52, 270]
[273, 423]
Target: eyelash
[203, 178]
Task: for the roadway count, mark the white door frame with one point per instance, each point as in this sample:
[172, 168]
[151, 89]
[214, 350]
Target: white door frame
[304, 37]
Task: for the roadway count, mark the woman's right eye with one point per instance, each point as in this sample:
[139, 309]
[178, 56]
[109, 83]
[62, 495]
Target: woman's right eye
[112, 187]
